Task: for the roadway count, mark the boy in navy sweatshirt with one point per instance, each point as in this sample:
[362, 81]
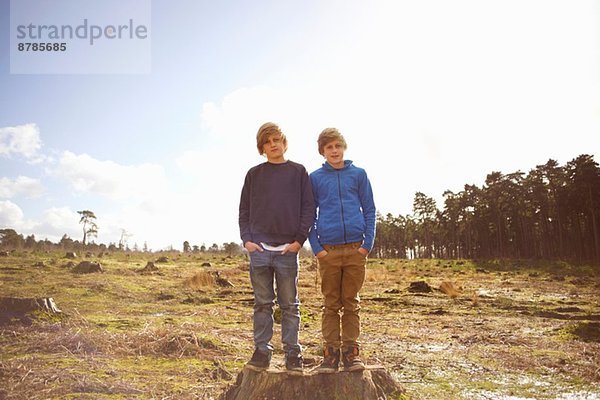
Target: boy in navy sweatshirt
[276, 213]
[341, 238]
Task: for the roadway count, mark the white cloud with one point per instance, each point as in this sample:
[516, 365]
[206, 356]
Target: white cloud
[11, 215]
[109, 179]
[251, 107]
[61, 218]
[142, 202]
[52, 224]
[167, 222]
[232, 123]
[56, 222]
[21, 185]
[22, 140]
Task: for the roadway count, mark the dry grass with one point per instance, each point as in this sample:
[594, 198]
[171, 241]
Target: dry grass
[377, 274]
[449, 289]
[201, 280]
[171, 342]
[475, 299]
[75, 341]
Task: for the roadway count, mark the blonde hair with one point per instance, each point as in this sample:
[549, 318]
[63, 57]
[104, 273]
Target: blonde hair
[329, 135]
[262, 136]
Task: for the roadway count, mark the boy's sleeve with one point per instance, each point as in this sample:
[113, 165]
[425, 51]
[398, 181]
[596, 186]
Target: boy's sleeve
[244, 215]
[365, 192]
[307, 211]
[312, 236]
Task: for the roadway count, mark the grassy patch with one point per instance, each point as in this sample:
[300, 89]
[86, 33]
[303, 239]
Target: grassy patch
[585, 331]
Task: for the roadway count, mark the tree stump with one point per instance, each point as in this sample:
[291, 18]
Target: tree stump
[374, 383]
[419, 287]
[20, 308]
[149, 269]
[88, 267]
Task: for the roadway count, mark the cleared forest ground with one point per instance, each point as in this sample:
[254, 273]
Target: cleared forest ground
[512, 330]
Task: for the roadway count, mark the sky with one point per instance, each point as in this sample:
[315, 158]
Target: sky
[430, 95]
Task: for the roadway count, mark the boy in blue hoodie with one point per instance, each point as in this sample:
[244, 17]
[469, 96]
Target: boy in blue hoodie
[342, 236]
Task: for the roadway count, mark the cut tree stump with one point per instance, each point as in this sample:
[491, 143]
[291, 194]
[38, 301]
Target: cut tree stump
[374, 383]
[20, 308]
[25, 305]
[149, 269]
[88, 267]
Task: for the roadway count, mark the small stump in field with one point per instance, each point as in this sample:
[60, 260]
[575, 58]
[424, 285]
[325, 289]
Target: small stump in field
[149, 269]
[88, 267]
[23, 308]
[219, 280]
[419, 287]
[374, 383]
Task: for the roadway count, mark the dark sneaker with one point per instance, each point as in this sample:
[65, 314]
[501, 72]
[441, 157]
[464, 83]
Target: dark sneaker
[351, 359]
[260, 361]
[293, 363]
[331, 360]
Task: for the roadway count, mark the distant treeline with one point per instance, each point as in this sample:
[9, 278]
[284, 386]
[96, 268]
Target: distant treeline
[12, 240]
[552, 213]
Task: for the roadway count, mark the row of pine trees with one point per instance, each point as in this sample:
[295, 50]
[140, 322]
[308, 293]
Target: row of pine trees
[552, 212]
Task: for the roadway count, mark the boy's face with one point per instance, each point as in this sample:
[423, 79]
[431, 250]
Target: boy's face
[274, 148]
[334, 153]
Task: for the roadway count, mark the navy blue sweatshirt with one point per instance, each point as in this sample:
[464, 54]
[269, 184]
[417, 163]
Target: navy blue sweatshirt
[276, 204]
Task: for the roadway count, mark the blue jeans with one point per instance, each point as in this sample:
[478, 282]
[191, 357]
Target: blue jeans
[266, 268]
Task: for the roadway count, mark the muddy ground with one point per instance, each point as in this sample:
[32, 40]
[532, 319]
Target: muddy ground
[502, 330]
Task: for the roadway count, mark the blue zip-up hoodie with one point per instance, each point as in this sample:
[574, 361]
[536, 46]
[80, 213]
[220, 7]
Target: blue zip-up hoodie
[345, 207]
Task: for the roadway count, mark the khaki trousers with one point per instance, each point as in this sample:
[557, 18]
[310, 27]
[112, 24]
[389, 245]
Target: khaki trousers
[342, 273]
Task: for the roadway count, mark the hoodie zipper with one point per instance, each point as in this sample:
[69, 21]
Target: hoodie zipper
[341, 204]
